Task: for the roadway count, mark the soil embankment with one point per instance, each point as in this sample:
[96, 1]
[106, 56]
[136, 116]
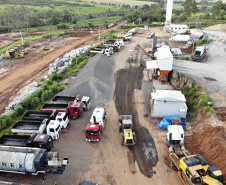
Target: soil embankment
[144, 152]
[209, 142]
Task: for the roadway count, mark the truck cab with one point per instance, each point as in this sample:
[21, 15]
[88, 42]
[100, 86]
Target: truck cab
[53, 129]
[75, 110]
[86, 103]
[98, 116]
[93, 132]
[175, 139]
[63, 119]
[43, 141]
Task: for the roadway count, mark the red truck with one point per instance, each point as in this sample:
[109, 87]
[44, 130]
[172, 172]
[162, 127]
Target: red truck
[93, 132]
[73, 110]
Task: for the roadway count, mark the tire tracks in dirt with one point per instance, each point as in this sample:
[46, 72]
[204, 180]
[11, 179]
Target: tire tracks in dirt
[144, 152]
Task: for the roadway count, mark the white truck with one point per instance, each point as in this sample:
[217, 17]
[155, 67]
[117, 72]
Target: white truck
[98, 116]
[106, 51]
[175, 139]
[63, 119]
[54, 129]
[200, 53]
[183, 39]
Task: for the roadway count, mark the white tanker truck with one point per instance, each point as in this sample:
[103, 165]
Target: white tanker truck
[26, 160]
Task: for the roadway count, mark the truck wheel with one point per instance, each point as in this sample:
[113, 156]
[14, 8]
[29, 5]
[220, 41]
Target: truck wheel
[120, 128]
[74, 117]
[173, 166]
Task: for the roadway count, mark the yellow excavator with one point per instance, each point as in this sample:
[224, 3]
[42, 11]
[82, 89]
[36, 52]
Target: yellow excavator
[194, 169]
[17, 52]
[126, 129]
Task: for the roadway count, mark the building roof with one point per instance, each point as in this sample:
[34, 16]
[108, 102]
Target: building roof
[168, 95]
[164, 52]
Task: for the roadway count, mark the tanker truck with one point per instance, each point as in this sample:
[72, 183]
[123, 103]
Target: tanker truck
[26, 160]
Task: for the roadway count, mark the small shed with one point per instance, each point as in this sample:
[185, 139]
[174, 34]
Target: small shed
[168, 103]
[165, 58]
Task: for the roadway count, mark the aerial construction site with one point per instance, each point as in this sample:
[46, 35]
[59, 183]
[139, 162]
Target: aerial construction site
[143, 108]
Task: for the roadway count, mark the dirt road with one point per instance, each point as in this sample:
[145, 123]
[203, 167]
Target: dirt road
[33, 67]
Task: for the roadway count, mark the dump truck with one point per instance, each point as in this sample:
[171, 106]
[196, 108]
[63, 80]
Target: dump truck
[200, 53]
[105, 51]
[27, 160]
[93, 132]
[126, 130]
[38, 115]
[29, 127]
[192, 169]
[125, 37]
[34, 140]
[85, 100]
[73, 110]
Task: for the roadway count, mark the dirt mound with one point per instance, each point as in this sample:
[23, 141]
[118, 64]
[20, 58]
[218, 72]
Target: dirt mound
[187, 50]
[211, 143]
[218, 27]
[221, 113]
[144, 151]
[81, 34]
[95, 80]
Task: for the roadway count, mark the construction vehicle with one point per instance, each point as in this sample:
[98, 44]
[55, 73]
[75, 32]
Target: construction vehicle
[73, 110]
[125, 37]
[13, 53]
[27, 160]
[126, 130]
[93, 132]
[200, 53]
[105, 51]
[85, 100]
[98, 116]
[192, 169]
[34, 140]
[21, 49]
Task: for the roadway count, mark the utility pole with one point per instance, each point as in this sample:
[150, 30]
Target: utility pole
[21, 38]
[99, 35]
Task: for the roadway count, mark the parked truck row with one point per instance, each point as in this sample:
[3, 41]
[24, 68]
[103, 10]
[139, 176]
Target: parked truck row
[27, 150]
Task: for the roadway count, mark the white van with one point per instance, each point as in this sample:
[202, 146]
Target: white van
[63, 119]
[53, 129]
[98, 116]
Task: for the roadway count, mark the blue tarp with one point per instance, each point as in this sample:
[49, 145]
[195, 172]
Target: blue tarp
[166, 121]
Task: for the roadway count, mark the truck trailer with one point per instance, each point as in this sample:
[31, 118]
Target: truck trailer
[38, 115]
[27, 160]
[35, 140]
[72, 109]
[85, 100]
[29, 127]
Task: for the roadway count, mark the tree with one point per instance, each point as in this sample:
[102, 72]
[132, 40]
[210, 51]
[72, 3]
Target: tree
[33, 21]
[194, 7]
[74, 21]
[90, 25]
[55, 18]
[218, 9]
[187, 7]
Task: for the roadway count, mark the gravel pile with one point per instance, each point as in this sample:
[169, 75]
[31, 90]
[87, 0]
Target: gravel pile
[95, 80]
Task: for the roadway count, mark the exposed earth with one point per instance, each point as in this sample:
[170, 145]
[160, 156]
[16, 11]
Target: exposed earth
[108, 162]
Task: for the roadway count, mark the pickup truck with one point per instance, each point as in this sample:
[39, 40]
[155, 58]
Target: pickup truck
[34, 140]
[72, 109]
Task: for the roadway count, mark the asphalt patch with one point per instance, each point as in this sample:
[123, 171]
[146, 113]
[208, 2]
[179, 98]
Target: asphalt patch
[144, 151]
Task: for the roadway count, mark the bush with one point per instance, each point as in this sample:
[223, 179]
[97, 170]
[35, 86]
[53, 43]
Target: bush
[5, 29]
[62, 26]
[191, 115]
[203, 41]
[208, 109]
[204, 101]
[19, 110]
[34, 102]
